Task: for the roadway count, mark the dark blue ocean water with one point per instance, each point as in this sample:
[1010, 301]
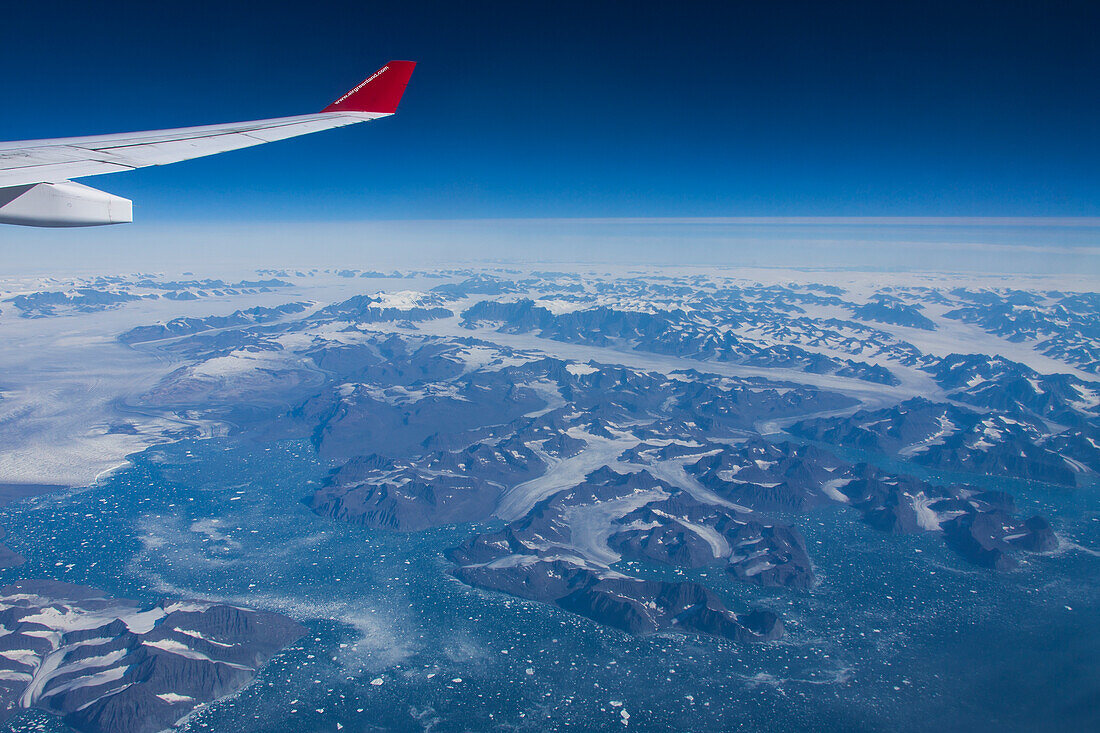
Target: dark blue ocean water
[899, 635]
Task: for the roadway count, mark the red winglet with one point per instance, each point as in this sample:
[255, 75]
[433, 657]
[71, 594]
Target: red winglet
[379, 92]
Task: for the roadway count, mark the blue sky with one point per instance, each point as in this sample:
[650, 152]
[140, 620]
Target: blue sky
[597, 109]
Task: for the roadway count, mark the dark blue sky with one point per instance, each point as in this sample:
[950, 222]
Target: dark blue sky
[585, 109]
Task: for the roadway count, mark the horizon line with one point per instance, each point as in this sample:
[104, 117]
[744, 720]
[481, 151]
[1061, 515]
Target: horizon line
[1087, 222]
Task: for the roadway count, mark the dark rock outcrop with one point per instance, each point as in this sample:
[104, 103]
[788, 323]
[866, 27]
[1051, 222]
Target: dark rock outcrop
[988, 538]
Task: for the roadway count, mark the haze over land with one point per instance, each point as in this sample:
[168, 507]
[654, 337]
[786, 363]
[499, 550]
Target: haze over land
[1065, 247]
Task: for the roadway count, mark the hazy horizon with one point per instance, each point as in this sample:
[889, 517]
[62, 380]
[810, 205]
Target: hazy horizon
[1018, 246]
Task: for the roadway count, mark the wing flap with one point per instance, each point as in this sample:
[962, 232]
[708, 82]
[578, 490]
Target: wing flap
[57, 172]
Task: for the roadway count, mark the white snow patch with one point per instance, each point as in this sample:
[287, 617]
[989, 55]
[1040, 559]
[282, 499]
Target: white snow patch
[581, 369]
[831, 489]
[173, 697]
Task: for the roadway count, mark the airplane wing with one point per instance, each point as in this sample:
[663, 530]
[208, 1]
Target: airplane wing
[35, 185]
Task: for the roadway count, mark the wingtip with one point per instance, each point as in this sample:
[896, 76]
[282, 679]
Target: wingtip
[380, 92]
